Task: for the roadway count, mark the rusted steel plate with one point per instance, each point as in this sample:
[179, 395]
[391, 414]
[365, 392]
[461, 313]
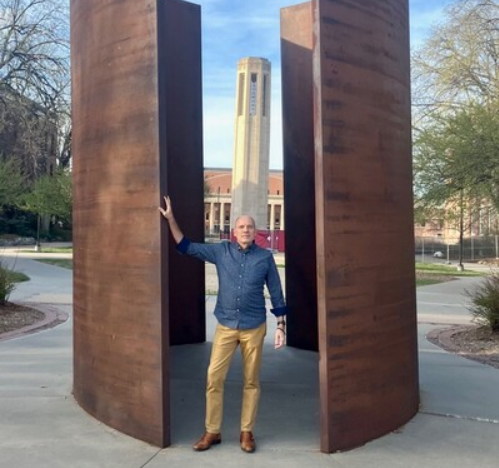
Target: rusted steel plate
[126, 282]
[365, 254]
[181, 149]
[299, 175]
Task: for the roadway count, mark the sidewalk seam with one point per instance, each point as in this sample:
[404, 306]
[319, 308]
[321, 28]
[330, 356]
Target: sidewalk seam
[457, 416]
[151, 459]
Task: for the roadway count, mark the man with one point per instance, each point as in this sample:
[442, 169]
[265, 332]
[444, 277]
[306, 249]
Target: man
[243, 269]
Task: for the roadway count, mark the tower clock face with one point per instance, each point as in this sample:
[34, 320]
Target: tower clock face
[252, 94]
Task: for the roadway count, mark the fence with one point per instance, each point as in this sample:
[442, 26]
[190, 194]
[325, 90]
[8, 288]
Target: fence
[475, 249]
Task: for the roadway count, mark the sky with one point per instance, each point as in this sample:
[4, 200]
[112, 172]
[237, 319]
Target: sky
[233, 29]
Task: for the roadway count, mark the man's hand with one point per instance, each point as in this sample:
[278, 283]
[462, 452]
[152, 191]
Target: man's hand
[279, 339]
[167, 211]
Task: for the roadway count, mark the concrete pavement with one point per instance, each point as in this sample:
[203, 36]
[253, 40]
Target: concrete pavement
[41, 424]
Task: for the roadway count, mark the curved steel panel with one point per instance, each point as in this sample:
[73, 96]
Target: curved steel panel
[364, 220]
[124, 293]
[299, 176]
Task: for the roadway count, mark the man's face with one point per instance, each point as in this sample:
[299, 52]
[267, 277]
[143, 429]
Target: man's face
[244, 232]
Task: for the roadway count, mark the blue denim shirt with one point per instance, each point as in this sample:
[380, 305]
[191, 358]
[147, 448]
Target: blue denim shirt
[242, 275]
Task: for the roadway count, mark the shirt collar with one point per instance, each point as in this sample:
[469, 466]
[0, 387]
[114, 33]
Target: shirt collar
[240, 249]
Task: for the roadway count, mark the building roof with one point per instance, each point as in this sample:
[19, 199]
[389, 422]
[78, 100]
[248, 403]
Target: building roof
[220, 180]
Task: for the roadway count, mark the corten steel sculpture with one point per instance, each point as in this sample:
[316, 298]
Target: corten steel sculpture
[299, 180]
[137, 134]
[355, 144]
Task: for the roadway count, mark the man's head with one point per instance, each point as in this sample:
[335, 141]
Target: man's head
[244, 231]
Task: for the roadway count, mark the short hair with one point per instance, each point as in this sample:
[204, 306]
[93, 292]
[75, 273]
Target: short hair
[245, 216]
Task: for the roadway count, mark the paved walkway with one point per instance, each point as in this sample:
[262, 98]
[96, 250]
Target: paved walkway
[42, 426]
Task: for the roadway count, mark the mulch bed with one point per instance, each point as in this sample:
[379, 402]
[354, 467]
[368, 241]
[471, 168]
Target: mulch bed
[14, 317]
[477, 343]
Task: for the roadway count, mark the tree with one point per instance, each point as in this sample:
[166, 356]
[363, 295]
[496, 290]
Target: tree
[456, 162]
[11, 183]
[456, 104]
[51, 195]
[460, 152]
[28, 135]
[458, 64]
[34, 45]
[482, 132]
[34, 82]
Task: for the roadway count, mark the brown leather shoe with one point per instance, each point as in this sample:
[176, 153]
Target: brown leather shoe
[247, 440]
[207, 441]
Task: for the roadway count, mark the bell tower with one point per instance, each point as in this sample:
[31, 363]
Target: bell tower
[250, 170]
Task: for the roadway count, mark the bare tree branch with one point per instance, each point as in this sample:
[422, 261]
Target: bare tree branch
[34, 81]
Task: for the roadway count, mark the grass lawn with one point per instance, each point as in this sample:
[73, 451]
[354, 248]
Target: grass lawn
[19, 277]
[441, 269]
[426, 273]
[60, 262]
[68, 250]
[427, 281]
[57, 250]
[433, 273]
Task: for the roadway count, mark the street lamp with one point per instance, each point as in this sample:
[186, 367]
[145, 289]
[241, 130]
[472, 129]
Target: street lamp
[472, 246]
[460, 266]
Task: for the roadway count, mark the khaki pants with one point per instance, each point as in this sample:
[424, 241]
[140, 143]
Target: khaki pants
[224, 345]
